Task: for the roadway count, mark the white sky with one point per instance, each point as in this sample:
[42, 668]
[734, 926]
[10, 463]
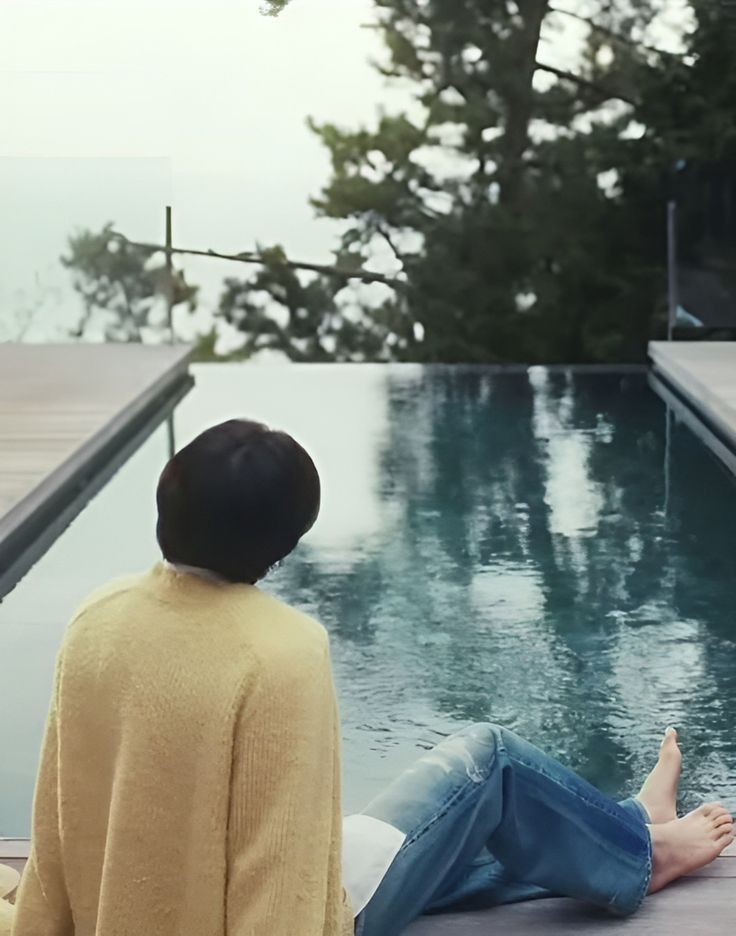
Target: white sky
[113, 108]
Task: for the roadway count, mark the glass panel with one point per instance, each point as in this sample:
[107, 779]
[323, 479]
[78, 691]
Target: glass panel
[706, 236]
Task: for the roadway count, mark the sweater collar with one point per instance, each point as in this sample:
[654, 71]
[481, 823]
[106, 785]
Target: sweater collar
[206, 574]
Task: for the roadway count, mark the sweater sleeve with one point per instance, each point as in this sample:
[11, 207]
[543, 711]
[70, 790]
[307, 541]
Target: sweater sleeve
[284, 836]
[42, 906]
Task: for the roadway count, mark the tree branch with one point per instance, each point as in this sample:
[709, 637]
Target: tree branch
[363, 275]
[390, 241]
[601, 90]
[610, 33]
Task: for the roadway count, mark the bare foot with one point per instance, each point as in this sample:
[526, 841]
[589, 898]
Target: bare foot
[659, 793]
[684, 845]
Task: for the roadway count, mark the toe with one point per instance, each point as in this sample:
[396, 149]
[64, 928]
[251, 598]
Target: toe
[716, 820]
[669, 743]
[708, 809]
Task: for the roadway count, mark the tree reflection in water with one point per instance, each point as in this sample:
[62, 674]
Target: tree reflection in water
[532, 569]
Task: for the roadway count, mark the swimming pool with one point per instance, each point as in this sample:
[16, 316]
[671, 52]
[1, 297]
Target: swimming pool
[539, 549]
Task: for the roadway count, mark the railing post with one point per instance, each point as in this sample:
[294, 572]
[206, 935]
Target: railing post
[169, 277]
[673, 297]
[170, 318]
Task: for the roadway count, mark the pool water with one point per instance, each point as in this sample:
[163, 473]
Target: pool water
[549, 550]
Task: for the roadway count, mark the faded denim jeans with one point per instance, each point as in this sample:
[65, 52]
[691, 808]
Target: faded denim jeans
[490, 819]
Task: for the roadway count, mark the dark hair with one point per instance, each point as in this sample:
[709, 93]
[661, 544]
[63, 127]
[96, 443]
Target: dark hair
[236, 500]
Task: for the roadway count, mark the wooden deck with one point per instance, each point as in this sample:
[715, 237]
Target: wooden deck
[69, 416]
[14, 852]
[703, 904]
[703, 374]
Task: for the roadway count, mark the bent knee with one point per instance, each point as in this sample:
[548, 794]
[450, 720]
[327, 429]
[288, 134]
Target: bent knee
[488, 734]
[472, 750]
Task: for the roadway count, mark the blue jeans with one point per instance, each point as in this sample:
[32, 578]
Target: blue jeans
[490, 819]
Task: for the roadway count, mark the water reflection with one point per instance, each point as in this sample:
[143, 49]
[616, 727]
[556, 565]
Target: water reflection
[526, 572]
[492, 546]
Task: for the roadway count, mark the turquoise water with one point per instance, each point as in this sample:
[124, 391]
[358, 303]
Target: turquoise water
[538, 550]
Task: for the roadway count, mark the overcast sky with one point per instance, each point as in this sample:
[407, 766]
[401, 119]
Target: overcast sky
[114, 108]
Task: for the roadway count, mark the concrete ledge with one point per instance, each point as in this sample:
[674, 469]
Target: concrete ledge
[704, 374]
[69, 416]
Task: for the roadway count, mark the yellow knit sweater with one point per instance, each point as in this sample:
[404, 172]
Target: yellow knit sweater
[190, 774]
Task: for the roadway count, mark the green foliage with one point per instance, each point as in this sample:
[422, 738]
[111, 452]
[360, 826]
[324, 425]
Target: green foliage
[520, 251]
[278, 310]
[523, 204]
[205, 348]
[521, 255]
[123, 292]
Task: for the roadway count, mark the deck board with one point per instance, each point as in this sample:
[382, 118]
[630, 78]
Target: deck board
[66, 412]
[702, 903]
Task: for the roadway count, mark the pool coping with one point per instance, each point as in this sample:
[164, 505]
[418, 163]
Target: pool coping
[32, 525]
[698, 404]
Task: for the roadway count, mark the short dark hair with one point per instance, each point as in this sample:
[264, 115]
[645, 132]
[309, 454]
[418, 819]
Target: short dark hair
[236, 500]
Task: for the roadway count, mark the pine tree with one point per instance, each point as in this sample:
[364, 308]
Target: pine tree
[491, 192]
